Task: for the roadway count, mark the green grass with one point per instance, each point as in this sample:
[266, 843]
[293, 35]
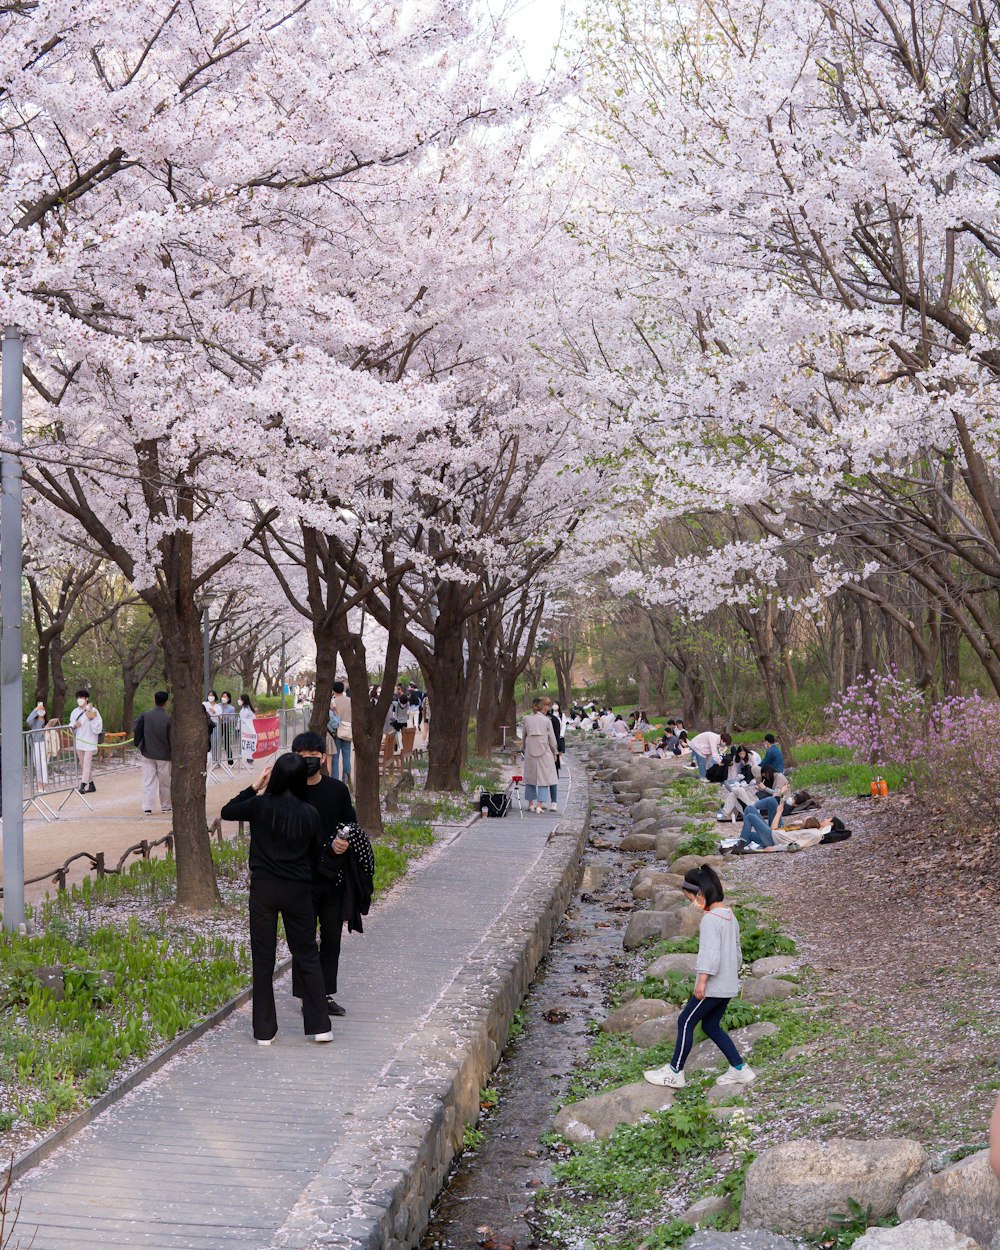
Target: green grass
[842, 779]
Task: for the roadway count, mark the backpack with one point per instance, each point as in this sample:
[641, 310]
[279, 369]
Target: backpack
[332, 724]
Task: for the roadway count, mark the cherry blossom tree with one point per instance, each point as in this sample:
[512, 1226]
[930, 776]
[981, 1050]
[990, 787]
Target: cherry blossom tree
[184, 195]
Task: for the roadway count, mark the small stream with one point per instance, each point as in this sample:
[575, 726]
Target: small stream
[488, 1198]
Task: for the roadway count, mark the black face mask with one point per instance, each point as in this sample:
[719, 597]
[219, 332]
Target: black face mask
[313, 765]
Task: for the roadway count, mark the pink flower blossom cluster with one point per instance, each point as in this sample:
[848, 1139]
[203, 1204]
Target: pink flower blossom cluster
[882, 718]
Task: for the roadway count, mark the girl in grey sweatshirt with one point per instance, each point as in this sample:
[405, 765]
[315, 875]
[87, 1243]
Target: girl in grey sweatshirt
[718, 980]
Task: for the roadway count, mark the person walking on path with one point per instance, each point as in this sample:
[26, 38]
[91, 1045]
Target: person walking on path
[340, 840]
[538, 740]
[340, 706]
[717, 981]
[151, 734]
[284, 841]
[87, 726]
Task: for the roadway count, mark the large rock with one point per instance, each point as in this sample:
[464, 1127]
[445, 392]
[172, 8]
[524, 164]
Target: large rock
[773, 965]
[653, 1032]
[626, 1018]
[707, 1208]
[598, 1117]
[757, 1240]
[667, 844]
[638, 842]
[707, 1055]
[760, 990]
[646, 886]
[965, 1195]
[651, 824]
[796, 1187]
[644, 926]
[645, 809]
[916, 1235]
[673, 963]
[685, 863]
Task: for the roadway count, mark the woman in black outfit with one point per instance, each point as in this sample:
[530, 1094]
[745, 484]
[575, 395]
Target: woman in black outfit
[284, 834]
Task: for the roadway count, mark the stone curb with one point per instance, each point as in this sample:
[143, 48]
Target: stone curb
[31, 1158]
[377, 1189]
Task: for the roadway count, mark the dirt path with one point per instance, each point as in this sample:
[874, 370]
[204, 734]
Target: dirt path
[906, 973]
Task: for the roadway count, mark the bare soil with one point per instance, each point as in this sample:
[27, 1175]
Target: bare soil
[904, 950]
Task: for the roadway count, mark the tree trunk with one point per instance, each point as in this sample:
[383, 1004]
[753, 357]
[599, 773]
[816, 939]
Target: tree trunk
[366, 731]
[488, 709]
[58, 708]
[951, 637]
[692, 700]
[129, 687]
[180, 630]
[643, 685]
[42, 673]
[326, 672]
[447, 684]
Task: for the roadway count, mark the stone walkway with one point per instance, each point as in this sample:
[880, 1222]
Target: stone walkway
[219, 1150]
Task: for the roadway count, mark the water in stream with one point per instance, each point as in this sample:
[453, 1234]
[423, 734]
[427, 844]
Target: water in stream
[488, 1199]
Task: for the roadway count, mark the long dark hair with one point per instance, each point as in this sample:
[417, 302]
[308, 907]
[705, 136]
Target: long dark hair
[704, 881]
[245, 700]
[293, 817]
[767, 775]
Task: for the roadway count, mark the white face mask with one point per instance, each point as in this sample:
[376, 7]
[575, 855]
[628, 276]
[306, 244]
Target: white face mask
[211, 698]
[225, 700]
[81, 703]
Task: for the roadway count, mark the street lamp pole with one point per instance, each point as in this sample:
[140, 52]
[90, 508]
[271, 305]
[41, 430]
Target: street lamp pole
[282, 672]
[11, 710]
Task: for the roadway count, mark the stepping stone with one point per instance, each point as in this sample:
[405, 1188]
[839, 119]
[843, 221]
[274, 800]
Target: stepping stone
[598, 1117]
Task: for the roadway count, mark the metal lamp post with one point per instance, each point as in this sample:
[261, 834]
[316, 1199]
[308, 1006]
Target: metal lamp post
[11, 710]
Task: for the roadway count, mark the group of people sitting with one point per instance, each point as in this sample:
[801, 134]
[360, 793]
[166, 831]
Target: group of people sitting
[757, 795]
[605, 720]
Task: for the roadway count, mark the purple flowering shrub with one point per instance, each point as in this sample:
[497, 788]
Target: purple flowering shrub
[881, 718]
[949, 751]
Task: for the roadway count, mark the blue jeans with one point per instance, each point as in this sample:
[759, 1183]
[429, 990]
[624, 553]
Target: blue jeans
[536, 794]
[757, 822]
[340, 763]
[701, 762]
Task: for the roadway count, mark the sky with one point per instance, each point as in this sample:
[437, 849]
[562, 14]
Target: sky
[536, 24]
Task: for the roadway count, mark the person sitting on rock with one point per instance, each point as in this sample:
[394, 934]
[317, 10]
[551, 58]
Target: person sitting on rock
[717, 981]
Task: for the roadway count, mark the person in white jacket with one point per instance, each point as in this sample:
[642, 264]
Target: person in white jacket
[706, 749]
[87, 726]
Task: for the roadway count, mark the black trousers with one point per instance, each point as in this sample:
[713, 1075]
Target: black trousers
[292, 900]
[327, 903]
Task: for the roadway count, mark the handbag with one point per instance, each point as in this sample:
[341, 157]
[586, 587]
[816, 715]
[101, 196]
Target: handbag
[344, 731]
[494, 804]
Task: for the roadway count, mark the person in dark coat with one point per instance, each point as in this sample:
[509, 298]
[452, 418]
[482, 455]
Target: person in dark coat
[284, 844]
[343, 849]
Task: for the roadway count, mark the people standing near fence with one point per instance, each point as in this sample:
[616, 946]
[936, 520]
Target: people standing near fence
[227, 725]
[39, 756]
[343, 847]
[248, 730]
[87, 726]
[284, 843]
[212, 709]
[151, 734]
[340, 707]
[540, 752]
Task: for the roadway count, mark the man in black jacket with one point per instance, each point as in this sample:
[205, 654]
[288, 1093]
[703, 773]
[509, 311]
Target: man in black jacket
[332, 800]
[151, 734]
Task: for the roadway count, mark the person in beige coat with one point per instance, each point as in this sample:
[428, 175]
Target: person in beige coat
[540, 753]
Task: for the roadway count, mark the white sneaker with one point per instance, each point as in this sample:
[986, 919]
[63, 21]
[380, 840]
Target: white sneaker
[263, 1041]
[553, 807]
[665, 1076]
[322, 1037]
[737, 1076]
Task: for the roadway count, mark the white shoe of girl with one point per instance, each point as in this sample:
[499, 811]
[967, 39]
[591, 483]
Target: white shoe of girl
[665, 1076]
[737, 1076]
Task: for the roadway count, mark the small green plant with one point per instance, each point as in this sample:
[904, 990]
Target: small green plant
[489, 1099]
[518, 1023]
[472, 1139]
[845, 1229]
